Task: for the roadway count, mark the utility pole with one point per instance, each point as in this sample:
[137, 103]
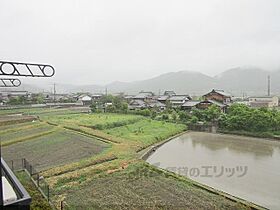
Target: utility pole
[54, 93]
[268, 85]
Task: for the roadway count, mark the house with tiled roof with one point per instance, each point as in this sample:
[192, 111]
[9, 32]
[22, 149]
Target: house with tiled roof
[178, 100]
[137, 104]
[144, 96]
[219, 96]
[205, 104]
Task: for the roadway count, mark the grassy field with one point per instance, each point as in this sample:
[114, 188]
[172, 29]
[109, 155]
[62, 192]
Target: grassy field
[98, 121]
[88, 173]
[146, 132]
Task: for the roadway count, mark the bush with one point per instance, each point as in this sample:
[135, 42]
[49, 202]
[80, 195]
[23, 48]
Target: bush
[164, 117]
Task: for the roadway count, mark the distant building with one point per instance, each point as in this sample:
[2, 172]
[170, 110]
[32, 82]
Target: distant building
[157, 105]
[50, 97]
[163, 99]
[86, 100]
[219, 96]
[96, 96]
[6, 96]
[144, 96]
[189, 105]
[179, 100]
[137, 104]
[205, 104]
[169, 93]
[140, 104]
[264, 101]
[128, 98]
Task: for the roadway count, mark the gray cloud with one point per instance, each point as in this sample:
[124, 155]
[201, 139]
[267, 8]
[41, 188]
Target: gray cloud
[95, 42]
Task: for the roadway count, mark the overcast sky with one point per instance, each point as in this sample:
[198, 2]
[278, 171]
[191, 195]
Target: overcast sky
[96, 42]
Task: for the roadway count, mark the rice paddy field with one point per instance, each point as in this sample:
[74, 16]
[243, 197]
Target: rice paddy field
[91, 161]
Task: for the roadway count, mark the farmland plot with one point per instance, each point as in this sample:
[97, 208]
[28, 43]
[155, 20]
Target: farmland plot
[17, 126]
[142, 187]
[146, 131]
[98, 121]
[58, 148]
[30, 130]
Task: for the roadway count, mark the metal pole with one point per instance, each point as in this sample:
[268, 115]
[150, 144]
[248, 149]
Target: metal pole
[38, 178]
[61, 205]
[48, 192]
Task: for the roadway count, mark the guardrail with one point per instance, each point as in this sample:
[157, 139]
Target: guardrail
[23, 198]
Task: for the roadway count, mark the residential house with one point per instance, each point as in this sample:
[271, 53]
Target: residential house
[264, 101]
[169, 93]
[137, 104]
[219, 96]
[86, 100]
[144, 96]
[189, 105]
[207, 103]
[156, 105]
[140, 104]
[7, 95]
[163, 99]
[128, 98]
[178, 100]
[61, 97]
[96, 96]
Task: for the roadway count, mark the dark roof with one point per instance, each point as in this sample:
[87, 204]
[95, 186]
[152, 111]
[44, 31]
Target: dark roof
[179, 97]
[190, 103]
[169, 93]
[143, 95]
[163, 98]
[221, 92]
[138, 102]
[214, 102]
[156, 104]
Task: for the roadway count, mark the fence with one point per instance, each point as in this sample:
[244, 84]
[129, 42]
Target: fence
[39, 181]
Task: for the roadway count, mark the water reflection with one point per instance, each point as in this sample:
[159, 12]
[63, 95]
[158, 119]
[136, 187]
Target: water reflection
[262, 157]
[240, 145]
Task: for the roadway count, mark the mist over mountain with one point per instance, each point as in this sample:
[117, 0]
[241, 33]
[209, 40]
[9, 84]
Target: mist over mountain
[238, 81]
